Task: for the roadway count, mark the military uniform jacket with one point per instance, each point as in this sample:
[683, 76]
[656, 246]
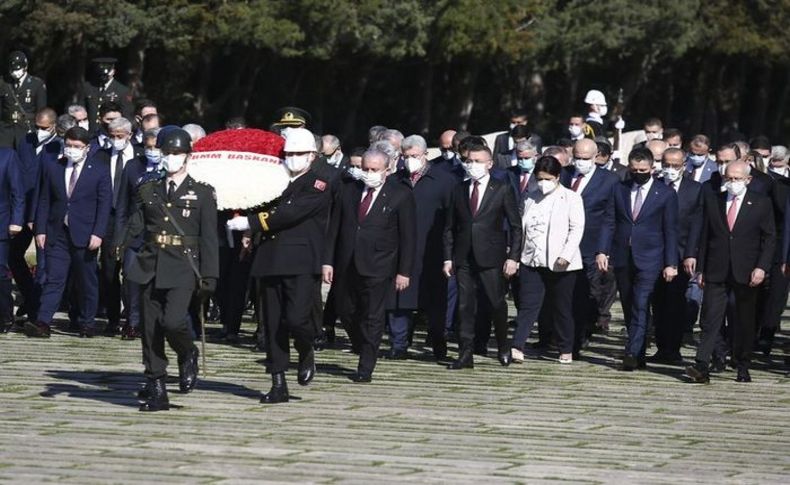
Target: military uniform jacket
[293, 230]
[194, 207]
[94, 97]
[20, 103]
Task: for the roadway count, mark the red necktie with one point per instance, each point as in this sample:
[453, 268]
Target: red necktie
[577, 182]
[524, 181]
[732, 213]
[474, 198]
[364, 206]
[415, 177]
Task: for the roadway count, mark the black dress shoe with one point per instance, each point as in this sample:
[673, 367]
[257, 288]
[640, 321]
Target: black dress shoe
[439, 349]
[397, 354]
[699, 373]
[743, 375]
[481, 351]
[188, 371]
[111, 329]
[319, 343]
[37, 330]
[279, 391]
[718, 365]
[465, 361]
[157, 396]
[504, 358]
[306, 368]
[630, 363]
[87, 332]
[666, 358]
[362, 378]
[145, 391]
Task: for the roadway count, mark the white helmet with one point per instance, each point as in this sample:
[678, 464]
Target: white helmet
[595, 97]
[299, 140]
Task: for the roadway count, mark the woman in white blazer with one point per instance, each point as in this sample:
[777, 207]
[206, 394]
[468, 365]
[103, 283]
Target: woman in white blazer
[553, 224]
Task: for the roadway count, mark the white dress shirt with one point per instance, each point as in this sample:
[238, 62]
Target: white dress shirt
[481, 189]
[128, 154]
[585, 180]
[645, 190]
[675, 185]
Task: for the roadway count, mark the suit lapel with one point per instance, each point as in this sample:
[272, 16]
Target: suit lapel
[743, 212]
[651, 195]
[61, 178]
[722, 201]
[380, 201]
[626, 193]
[87, 170]
[487, 195]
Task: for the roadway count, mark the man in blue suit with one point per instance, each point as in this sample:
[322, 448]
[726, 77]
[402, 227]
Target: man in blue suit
[642, 241]
[12, 211]
[71, 220]
[699, 166]
[596, 186]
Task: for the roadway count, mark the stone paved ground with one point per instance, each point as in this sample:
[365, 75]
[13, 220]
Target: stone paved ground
[68, 413]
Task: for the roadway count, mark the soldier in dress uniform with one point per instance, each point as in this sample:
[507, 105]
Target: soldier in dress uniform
[290, 117]
[595, 124]
[287, 263]
[23, 95]
[105, 89]
[177, 218]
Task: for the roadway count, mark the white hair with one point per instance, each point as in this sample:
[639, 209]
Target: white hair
[392, 135]
[331, 141]
[386, 148]
[414, 141]
[526, 146]
[196, 132]
[779, 152]
[75, 108]
[120, 124]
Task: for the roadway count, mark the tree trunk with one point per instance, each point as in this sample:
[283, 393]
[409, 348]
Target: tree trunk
[780, 107]
[362, 79]
[201, 98]
[135, 62]
[760, 110]
[426, 107]
[465, 100]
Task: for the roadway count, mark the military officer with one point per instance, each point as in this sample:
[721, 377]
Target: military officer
[23, 95]
[177, 218]
[288, 262]
[106, 89]
[290, 117]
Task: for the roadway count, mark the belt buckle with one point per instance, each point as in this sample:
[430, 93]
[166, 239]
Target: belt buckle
[175, 240]
[162, 239]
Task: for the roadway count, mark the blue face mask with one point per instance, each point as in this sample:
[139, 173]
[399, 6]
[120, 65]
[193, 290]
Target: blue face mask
[697, 160]
[526, 164]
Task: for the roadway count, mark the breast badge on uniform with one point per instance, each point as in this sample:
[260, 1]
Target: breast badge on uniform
[319, 185]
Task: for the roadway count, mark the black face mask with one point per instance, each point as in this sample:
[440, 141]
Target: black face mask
[640, 178]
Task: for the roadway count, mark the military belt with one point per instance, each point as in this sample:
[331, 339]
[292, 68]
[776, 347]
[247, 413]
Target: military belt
[173, 240]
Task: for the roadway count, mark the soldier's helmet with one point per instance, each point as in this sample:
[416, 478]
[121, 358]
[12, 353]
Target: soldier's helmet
[17, 60]
[174, 140]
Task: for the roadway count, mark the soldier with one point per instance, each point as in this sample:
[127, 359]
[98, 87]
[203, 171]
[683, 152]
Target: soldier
[288, 261]
[177, 218]
[23, 95]
[106, 89]
[290, 117]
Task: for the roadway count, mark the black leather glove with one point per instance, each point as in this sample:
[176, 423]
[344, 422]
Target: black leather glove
[208, 286]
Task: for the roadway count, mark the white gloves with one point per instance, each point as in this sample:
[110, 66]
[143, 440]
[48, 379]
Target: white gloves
[239, 223]
[620, 124]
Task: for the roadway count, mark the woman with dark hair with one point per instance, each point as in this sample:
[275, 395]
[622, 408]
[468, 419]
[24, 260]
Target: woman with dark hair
[553, 224]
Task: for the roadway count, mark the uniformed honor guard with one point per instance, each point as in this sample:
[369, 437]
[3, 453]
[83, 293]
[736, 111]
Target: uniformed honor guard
[290, 117]
[23, 95]
[177, 217]
[288, 262]
[105, 89]
[595, 124]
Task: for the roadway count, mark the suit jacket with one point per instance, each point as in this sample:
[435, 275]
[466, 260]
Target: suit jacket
[12, 204]
[88, 208]
[620, 170]
[566, 228]
[780, 199]
[514, 177]
[292, 229]
[689, 218]
[384, 243]
[489, 237]
[503, 154]
[452, 167]
[749, 245]
[106, 156]
[651, 238]
[127, 191]
[708, 169]
[761, 183]
[598, 197]
[31, 164]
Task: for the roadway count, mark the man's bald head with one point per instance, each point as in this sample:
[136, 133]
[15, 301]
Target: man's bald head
[737, 170]
[585, 149]
[446, 139]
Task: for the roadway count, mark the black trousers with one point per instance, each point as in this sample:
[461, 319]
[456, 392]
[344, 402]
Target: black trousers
[772, 300]
[534, 285]
[231, 295]
[480, 288]
[669, 312]
[367, 304]
[21, 271]
[742, 326]
[287, 305]
[110, 280]
[164, 316]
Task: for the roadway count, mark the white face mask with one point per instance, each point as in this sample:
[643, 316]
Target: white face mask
[373, 180]
[43, 135]
[777, 170]
[119, 145]
[476, 170]
[154, 155]
[671, 174]
[355, 172]
[74, 154]
[172, 163]
[584, 166]
[697, 160]
[448, 154]
[297, 163]
[17, 74]
[735, 189]
[603, 109]
[547, 186]
[512, 125]
[413, 164]
[575, 130]
[84, 124]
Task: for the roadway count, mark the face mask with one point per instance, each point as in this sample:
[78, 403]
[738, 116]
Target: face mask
[526, 164]
[697, 160]
[722, 169]
[476, 170]
[603, 109]
[84, 124]
[640, 178]
[17, 74]
[43, 135]
[736, 189]
[118, 145]
[413, 164]
[373, 180]
[583, 165]
[512, 125]
[547, 186]
[297, 163]
[671, 174]
[448, 154]
[355, 172]
[777, 170]
[73, 154]
[153, 155]
[575, 130]
[653, 136]
[173, 163]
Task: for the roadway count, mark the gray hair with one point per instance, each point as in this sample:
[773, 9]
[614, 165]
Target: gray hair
[319, 143]
[375, 132]
[376, 153]
[64, 122]
[75, 108]
[120, 124]
[526, 146]
[414, 141]
[153, 133]
[386, 148]
[331, 141]
[392, 135]
[779, 152]
[196, 132]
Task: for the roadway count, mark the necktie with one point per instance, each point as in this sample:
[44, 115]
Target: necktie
[171, 191]
[473, 200]
[577, 182]
[637, 203]
[524, 182]
[73, 179]
[364, 206]
[116, 181]
[415, 177]
[732, 213]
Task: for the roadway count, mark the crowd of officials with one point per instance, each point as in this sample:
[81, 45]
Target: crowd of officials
[680, 229]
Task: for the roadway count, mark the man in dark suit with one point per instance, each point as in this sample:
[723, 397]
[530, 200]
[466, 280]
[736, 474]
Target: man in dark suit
[22, 95]
[71, 220]
[371, 244]
[520, 174]
[669, 300]
[108, 112]
[450, 158]
[760, 182]
[12, 219]
[288, 260]
[507, 156]
[642, 241]
[604, 159]
[736, 251]
[699, 165]
[333, 152]
[594, 291]
[482, 242]
[105, 89]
